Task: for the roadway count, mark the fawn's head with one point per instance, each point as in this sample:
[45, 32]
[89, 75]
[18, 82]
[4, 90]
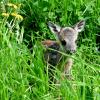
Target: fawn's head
[67, 35]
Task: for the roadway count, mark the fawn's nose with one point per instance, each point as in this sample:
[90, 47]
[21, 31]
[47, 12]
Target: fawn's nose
[72, 51]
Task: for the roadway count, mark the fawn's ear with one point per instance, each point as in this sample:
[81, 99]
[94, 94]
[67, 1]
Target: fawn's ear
[54, 28]
[79, 26]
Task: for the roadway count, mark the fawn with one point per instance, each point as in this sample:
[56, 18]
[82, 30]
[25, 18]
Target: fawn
[66, 42]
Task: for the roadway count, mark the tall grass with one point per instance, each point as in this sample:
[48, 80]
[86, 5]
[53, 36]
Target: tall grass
[22, 75]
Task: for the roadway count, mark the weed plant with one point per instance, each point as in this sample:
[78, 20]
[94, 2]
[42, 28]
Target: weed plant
[23, 27]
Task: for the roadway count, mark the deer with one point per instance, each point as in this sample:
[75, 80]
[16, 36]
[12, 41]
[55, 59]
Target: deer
[65, 42]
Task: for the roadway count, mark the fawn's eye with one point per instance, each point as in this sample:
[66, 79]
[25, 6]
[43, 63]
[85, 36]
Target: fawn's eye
[63, 42]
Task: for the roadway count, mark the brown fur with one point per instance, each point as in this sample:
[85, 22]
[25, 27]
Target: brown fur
[67, 37]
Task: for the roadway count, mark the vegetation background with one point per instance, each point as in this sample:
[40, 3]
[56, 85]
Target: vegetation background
[23, 27]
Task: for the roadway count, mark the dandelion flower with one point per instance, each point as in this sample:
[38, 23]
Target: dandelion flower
[12, 5]
[17, 16]
[5, 14]
[15, 6]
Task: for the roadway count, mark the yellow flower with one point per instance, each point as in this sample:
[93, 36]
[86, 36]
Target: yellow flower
[15, 6]
[17, 16]
[12, 5]
[5, 14]
[14, 14]
[9, 4]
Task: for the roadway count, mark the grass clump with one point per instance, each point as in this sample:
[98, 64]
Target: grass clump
[22, 74]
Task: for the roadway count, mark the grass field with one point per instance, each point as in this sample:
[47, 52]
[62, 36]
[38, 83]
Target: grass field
[23, 27]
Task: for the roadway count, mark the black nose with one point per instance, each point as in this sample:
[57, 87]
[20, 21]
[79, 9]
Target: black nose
[63, 42]
[72, 51]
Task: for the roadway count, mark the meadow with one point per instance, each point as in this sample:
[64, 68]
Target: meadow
[23, 25]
